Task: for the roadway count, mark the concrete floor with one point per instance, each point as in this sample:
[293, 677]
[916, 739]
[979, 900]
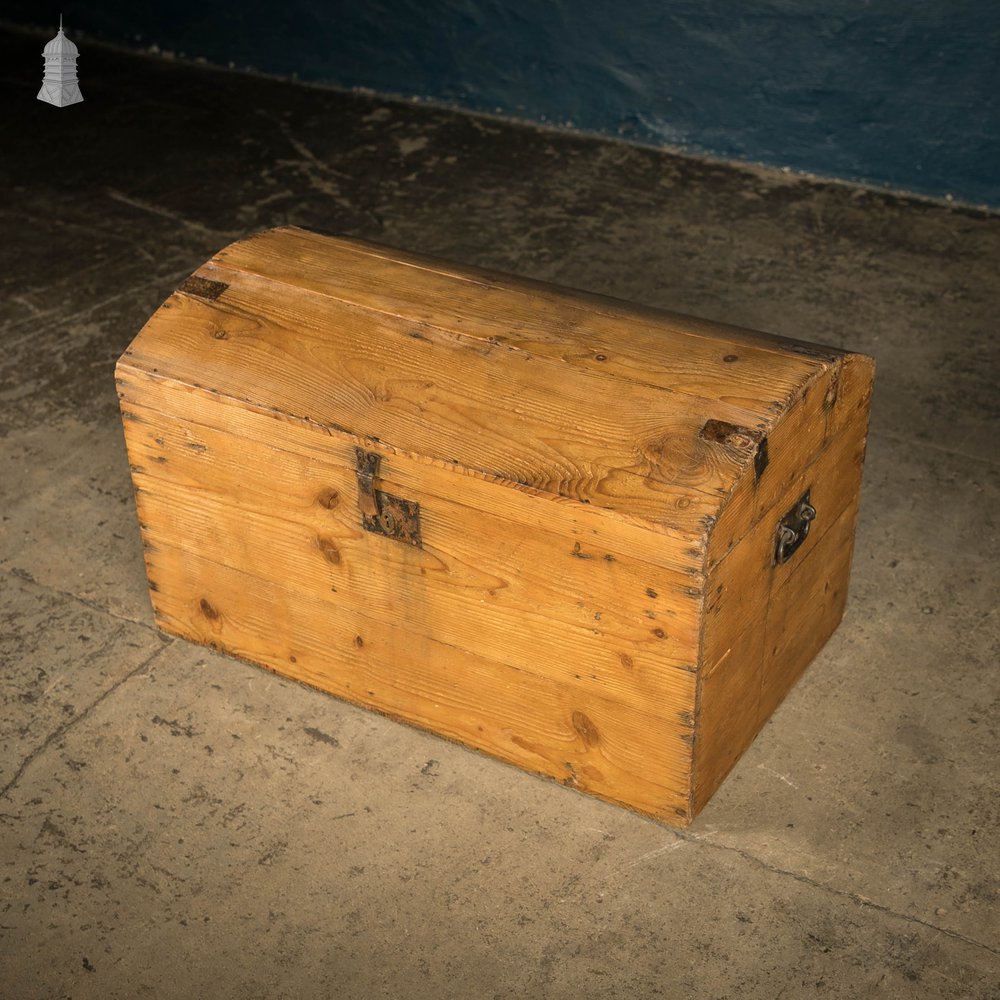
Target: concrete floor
[177, 824]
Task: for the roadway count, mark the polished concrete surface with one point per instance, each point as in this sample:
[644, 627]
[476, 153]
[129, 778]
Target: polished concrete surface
[174, 823]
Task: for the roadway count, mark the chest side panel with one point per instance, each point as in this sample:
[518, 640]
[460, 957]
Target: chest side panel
[766, 619]
[543, 638]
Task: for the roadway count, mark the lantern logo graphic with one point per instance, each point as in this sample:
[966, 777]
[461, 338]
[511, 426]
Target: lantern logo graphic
[59, 86]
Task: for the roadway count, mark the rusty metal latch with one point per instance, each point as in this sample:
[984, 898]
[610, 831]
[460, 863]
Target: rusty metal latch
[382, 513]
[793, 528]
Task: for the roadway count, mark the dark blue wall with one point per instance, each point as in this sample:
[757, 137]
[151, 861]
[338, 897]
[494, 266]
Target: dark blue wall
[905, 94]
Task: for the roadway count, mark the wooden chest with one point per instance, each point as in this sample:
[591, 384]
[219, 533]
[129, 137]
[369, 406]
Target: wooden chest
[597, 541]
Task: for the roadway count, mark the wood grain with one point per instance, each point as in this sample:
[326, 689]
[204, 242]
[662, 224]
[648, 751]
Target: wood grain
[430, 393]
[675, 541]
[594, 744]
[764, 622]
[727, 717]
[805, 611]
[477, 583]
[739, 587]
[594, 333]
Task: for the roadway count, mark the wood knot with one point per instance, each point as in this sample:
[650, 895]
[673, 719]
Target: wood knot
[329, 499]
[626, 661]
[329, 549]
[586, 729]
[731, 435]
[208, 611]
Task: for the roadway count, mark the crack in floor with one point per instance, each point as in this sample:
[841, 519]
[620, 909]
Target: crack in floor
[854, 897]
[72, 316]
[144, 206]
[57, 734]
[938, 448]
[22, 574]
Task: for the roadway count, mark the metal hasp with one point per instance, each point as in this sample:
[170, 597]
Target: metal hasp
[382, 513]
[793, 528]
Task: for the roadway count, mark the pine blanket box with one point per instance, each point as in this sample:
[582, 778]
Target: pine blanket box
[597, 541]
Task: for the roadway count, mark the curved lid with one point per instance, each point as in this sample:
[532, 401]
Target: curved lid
[649, 414]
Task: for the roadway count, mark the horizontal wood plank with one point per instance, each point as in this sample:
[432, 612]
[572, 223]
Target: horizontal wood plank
[596, 333]
[611, 624]
[593, 744]
[678, 540]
